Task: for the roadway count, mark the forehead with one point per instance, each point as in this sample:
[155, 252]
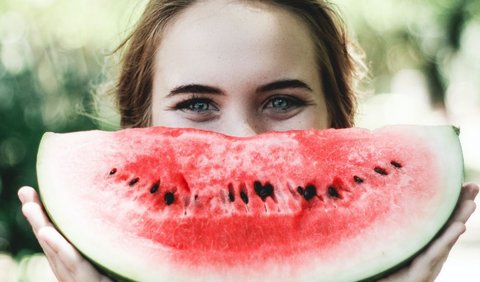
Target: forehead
[242, 36]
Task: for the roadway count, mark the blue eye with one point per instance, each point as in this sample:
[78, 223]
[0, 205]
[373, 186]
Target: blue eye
[199, 106]
[196, 105]
[280, 103]
[283, 103]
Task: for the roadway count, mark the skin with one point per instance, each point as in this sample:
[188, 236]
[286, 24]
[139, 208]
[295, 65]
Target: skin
[252, 48]
[265, 76]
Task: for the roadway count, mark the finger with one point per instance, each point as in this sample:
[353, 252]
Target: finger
[32, 208]
[70, 262]
[469, 191]
[33, 212]
[464, 210]
[465, 204]
[35, 215]
[62, 248]
[446, 241]
[427, 265]
[105, 279]
[60, 271]
[89, 273]
[27, 194]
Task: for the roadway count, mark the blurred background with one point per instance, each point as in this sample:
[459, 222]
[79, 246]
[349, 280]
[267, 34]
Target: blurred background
[424, 64]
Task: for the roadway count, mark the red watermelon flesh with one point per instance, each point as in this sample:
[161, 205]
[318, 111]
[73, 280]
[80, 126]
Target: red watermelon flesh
[162, 204]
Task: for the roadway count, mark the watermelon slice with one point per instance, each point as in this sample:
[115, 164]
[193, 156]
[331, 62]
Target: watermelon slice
[163, 204]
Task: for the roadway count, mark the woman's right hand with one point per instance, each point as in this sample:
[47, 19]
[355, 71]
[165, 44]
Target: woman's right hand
[66, 262]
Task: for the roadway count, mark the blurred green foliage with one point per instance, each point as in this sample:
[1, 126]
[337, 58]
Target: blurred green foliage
[51, 58]
[52, 55]
[45, 95]
[425, 35]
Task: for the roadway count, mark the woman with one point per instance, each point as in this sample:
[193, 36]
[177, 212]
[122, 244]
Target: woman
[238, 67]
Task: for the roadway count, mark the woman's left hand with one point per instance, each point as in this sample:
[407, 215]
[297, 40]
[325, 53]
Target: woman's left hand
[427, 265]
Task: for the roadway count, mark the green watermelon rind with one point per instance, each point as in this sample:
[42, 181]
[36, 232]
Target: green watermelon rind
[118, 277]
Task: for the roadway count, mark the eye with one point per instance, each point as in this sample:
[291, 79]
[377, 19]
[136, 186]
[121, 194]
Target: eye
[283, 104]
[197, 109]
[196, 105]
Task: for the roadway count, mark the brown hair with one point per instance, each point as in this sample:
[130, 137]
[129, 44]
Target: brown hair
[337, 64]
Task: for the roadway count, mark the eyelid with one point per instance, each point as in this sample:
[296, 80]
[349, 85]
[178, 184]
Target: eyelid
[194, 99]
[186, 107]
[292, 99]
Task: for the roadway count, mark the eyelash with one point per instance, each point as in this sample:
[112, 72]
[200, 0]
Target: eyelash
[293, 102]
[186, 104]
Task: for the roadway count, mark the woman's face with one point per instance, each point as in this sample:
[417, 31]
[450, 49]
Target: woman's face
[237, 68]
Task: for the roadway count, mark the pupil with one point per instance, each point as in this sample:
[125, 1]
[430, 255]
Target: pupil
[200, 106]
[280, 103]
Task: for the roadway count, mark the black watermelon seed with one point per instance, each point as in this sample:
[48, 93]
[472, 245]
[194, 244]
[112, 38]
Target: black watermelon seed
[231, 193]
[300, 190]
[380, 171]
[333, 192]
[358, 179]
[113, 171]
[396, 164]
[169, 198]
[155, 187]
[231, 197]
[263, 191]
[244, 197]
[133, 181]
[309, 192]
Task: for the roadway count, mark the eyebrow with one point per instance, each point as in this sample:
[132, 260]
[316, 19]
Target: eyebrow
[194, 88]
[283, 84]
[205, 89]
